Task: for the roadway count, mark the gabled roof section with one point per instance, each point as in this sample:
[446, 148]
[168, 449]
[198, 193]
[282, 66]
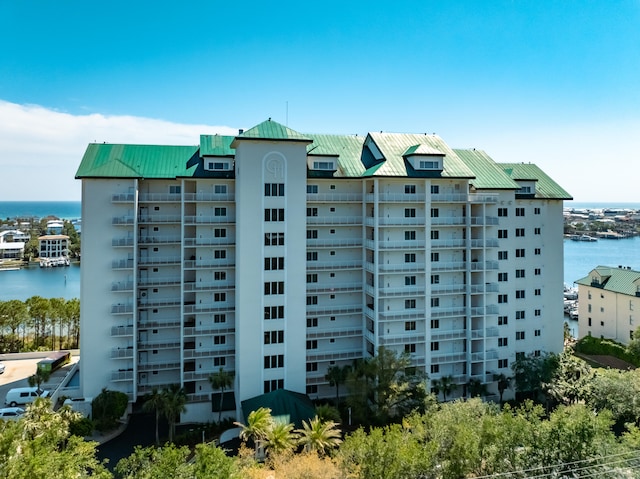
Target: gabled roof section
[216, 145]
[424, 150]
[272, 130]
[546, 188]
[286, 406]
[102, 160]
[394, 145]
[348, 149]
[617, 280]
[488, 174]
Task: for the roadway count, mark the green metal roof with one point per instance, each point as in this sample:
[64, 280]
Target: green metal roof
[272, 130]
[488, 174]
[394, 145]
[286, 406]
[216, 145]
[617, 280]
[422, 150]
[136, 161]
[348, 149]
[546, 188]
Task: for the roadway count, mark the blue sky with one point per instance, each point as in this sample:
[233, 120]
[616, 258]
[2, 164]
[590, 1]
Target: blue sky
[549, 82]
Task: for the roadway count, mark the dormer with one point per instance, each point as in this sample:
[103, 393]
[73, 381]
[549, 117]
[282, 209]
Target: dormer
[636, 283]
[327, 163]
[599, 277]
[527, 188]
[217, 155]
[424, 158]
[216, 164]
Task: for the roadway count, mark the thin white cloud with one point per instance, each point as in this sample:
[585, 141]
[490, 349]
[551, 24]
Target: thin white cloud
[40, 149]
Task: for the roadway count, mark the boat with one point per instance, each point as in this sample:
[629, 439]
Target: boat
[54, 262]
[586, 238]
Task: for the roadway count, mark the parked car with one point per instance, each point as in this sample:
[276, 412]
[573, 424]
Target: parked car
[21, 396]
[1, 368]
[11, 413]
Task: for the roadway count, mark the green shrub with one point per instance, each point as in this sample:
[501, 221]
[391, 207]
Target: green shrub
[83, 427]
[605, 347]
[107, 407]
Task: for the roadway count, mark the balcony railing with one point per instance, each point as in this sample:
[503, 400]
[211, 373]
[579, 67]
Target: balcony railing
[334, 243]
[324, 265]
[150, 260]
[334, 220]
[159, 239]
[196, 220]
[123, 198]
[227, 197]
[117, 331]
[159, 197]
[147, 219]
[334, 197]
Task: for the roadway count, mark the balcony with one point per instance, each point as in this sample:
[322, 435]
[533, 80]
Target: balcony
[120, 331]
[449, 221]
[158, 366]
[190, 286]
[199, 330]
[484, 288]
[326, 265]
[335, 287]
[335, 333]
[448, 266]
[122, 286]
[159, 239]
[442, 289]
[158, 303]
[151, 345]
[122, 220]
[335, 243]
[151, 260]
[334, 197]
[397, 339]
[168, 323]
[448, 312]
[480, 198]
[448, 335]
[121, 376]
[159, 197]
[150, 219]
[334, 220]
[214, 263]
[198, 220]
[398, 292]
[402, 268]
[402, 314]
[449, 198]
[208, 353]
[122, 308]
[443, 358]
[399, 197]
[320, 310]
[395, 245]
[334, 355]
[209, 308]
[122, 353]
[159, 281]
[484, 220]
[448, 243]
[401, 221]
[123, 198]
[201, 197]
[209, 242]
[122, 264]
[484, 243]
[121, 242]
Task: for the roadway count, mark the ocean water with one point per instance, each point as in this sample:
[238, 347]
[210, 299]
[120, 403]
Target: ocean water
[21, 284]
[66, 210]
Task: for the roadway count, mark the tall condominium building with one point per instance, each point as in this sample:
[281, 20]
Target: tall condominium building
[276, 255]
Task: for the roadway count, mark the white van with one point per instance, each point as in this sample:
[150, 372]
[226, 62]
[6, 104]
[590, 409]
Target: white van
[21, 396]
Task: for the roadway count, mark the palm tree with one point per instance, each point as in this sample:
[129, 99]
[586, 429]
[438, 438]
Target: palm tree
[174, 404]
[221, 380]
[475, 388]
[444, 385]
[337, 375]
[280, 438]
[319, 436]
[258, 423]
[39, 377]
[504, 383]
[155, 403]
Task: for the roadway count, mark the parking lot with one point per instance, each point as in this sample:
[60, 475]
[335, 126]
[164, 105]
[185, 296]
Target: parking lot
[17, 372]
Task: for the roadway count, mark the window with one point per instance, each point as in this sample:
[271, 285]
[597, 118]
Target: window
[435, 279]
[274, 214]
[220, 189]
[274, 287]
[409, 235]
[323, 165]
[519, 355]
[220, 275]
[273, 263]
[277, 384]
[503, 277]
[503, 320]
[410, 326]
[435, 346]
[435, 234]
[273, 337]
[537, 271]
[428, 165]
[220, 361]
[502, 212]
[219, 297]
[219, 318]
[409, 304]
[435, 257]
[218, 165]
[312, 278]
[220, 211]
[312, 211]
[536, 332]
[520, 315]
[435, 323]
[410, 258]
[536, 231]
[520, 294]
[537, 292]
[311, 367]
[273, 362]
[409, 189]
[519, 232]
[536, 251]
[312, 256]
[435, 189]
[312, 234]
[536, 211]
[503, 234]
[311, 300]
[435, 213]
[435, 302]
[409, 212]
[409, 280]
[275, 239]
[502, 342]
[312, 344]
[410, 348]
[519, 335]
[274, 312]
[503, 255]
[502, 298]
[312, 322]
[219, 340]
[220, 254]
[519, 273]
[219, 233]
[274, 189]
[174, 189]
[503, 363]
[435, 368]
[537, 312]
[520, 253]
[312, 189]
[519, 211]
